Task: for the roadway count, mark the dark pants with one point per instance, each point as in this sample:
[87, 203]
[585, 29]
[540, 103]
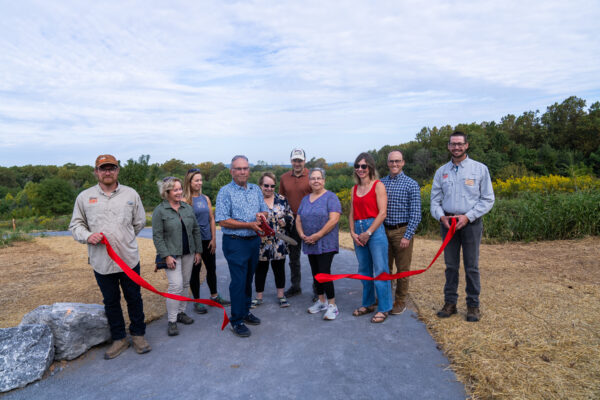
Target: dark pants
[294, 257]
[469, 238]
[109, 286]
[242, 257]
[321, 264]
[262, 269]
[210, 263]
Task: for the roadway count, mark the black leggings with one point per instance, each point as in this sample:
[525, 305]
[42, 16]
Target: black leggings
[210, 263]
[262, 269]
[321, 264]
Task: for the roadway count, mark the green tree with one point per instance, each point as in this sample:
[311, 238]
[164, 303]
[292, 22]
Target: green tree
[54, 196]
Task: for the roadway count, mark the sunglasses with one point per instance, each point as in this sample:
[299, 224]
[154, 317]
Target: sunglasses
[269, 186]
[166, 178]
[361, 166]
[193, 170]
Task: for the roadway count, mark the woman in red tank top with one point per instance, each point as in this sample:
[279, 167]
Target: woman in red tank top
[369, 209]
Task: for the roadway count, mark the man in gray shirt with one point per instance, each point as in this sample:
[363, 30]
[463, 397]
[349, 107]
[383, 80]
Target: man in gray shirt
[461, 189]
[116, 211]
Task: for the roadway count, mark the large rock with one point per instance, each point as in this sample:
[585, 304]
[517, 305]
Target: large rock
[26, 352]
[76, 327]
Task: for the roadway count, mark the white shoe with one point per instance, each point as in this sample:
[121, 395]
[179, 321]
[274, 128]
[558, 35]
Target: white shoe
[331, 313]
[317, 307]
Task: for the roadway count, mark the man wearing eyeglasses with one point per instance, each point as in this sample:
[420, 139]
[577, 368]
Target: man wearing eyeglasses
[293, 185]
[401, 222]
[115, 211]
[461, 189]
[238, 209]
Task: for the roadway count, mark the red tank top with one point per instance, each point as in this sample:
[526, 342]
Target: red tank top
[366, 206]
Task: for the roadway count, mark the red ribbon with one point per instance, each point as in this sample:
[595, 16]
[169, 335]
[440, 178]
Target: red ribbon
[140, 281]
[384, 276]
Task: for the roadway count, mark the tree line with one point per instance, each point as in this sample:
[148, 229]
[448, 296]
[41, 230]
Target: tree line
[564, 140]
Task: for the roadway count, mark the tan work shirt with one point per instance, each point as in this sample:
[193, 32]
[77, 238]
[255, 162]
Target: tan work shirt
[119, 216]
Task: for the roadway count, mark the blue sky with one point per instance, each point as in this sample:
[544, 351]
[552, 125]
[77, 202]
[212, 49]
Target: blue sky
[204, 80]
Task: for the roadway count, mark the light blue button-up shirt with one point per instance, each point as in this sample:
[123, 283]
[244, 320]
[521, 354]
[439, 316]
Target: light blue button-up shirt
[464, 190]
[241, 204]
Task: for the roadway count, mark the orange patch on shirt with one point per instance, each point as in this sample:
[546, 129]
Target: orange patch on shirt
[93, 200]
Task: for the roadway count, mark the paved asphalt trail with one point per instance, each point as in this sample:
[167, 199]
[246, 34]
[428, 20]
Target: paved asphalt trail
[291, 355]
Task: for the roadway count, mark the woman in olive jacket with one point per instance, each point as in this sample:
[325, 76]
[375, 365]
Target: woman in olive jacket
[177, 239]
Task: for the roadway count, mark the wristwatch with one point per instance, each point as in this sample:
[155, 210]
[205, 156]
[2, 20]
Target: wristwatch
[368, 233]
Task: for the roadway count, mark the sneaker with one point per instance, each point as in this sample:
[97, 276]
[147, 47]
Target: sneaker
[240, 330]
[140, 345]
[398, 308]
[184, 319]
[317, 307]
[293, 291]
[172, 329]
[251, 319]
[221, 300]
[447, 310]
[331, 313]
[116, 348]
[473, 314]
[256, 303]
[200, 308]
[283, 303]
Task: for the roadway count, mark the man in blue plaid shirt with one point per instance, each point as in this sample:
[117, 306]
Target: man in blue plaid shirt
[403, 217]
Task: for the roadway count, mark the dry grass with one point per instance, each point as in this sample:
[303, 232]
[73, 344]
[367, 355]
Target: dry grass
[539, 337]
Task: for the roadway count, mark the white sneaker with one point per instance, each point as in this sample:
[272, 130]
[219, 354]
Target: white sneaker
[331, 313]
[317, 307]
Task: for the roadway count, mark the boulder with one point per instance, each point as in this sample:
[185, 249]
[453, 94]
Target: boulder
[76, 327]
[26, 352]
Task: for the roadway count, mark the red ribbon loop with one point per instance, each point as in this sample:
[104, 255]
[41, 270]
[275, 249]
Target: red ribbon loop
[386, 276]
[140, 281]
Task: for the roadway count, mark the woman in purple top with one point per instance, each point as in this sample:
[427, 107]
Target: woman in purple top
[317, 226]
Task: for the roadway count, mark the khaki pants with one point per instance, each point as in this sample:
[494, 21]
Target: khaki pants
[402, 258]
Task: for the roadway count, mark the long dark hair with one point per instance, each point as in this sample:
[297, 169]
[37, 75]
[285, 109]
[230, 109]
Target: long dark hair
[370, 163]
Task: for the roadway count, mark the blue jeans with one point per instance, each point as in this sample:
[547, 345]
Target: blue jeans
[242, 258]
[109, 286]
[372, 261]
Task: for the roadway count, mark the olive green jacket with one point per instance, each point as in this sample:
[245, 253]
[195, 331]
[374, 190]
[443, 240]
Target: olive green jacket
[166, 229]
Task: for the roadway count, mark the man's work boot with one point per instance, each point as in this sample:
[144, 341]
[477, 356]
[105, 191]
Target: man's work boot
[447, 310]
[473, 314]
[140, 345]
[116, 348]
[399, 307]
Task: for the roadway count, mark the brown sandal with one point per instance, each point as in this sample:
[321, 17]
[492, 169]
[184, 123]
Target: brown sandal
[363, 310]
[379, 317]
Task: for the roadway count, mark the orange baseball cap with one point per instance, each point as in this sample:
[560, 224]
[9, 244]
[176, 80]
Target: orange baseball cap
[104, 159]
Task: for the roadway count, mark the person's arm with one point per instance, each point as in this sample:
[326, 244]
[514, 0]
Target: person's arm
[351, 222]
[158, 237]
[212, 246]
[78, 225]
[414, 213]
[486, 199]
[139, 218]
[436, 197]
[381, 196]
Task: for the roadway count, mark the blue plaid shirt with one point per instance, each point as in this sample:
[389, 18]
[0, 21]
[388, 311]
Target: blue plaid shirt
[241, 204]
[404, 202]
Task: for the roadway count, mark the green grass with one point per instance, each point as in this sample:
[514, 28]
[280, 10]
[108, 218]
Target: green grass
[7, 238]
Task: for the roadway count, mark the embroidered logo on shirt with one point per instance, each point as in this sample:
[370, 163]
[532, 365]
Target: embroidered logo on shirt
[444, 176]
[130, 203]
[93, 200]
[469, 182]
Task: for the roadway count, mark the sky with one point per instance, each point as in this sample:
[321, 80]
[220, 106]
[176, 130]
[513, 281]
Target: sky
[205, 80]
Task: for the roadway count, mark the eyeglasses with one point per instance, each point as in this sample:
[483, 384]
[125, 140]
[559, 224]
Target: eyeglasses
[394, 161]
[454, 144]
[269, 186]
[108, 168]
[315, 178]
[361, 166]
[193, 170]
[240, 169]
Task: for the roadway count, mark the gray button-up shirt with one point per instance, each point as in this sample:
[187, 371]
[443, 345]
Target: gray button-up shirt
[464, 190]
[119, 216]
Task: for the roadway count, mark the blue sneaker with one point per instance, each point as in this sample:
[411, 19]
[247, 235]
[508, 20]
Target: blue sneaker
[251, 319]
[241, 330]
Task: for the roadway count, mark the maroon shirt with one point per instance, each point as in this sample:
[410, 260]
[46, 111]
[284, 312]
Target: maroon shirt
[294, 188]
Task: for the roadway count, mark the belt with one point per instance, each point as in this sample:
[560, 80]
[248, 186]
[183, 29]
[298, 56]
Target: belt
[241, 237]
[450, 214]
[396, 226]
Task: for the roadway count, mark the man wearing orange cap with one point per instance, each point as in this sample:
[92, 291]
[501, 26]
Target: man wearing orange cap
[115, 211]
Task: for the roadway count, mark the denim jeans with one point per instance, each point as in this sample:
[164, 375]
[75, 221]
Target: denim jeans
[469, 239]
[372, 261]
[242, 257]
[109, 286]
